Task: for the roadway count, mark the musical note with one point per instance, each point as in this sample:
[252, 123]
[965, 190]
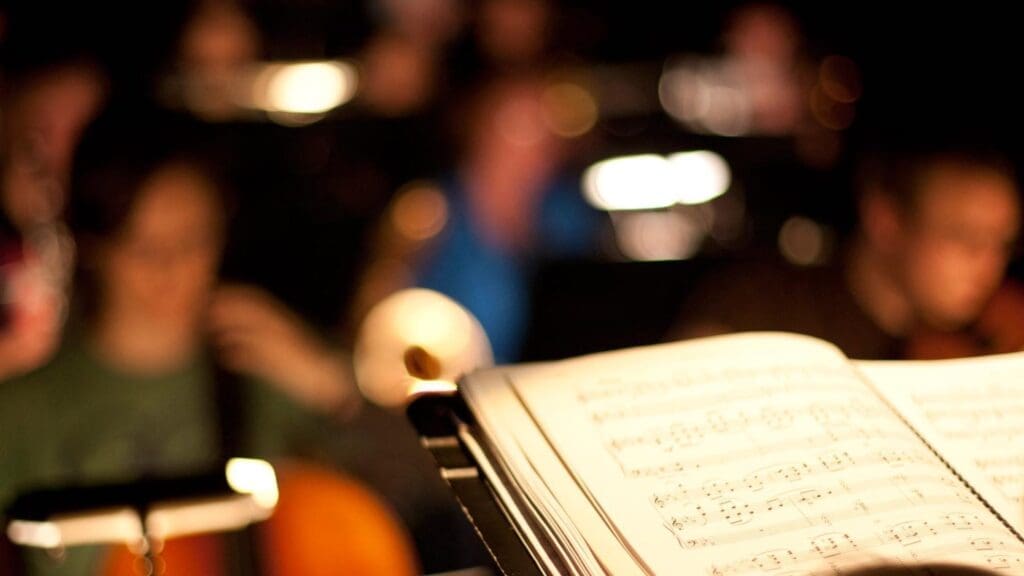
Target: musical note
[733, 469]
[836, 460]
[717, 488]
[766, 561]
[909, 533]
[1005, 561]
[747, 383]
[756, 481]
[986, 544]
[688, 516]
[774, 559]
[691, 543]
[901, 457]
[910, 488]
[669, 496]
[973, 412]
[833, 461]
[961, 521]
[735, 512]
[833, 544]
[668, 440]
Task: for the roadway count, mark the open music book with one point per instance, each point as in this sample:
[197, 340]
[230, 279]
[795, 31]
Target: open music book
[754, 453]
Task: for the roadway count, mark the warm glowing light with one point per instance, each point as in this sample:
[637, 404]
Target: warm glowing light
[804, 242]
[571, 109]
[256, 496]
[116, 525]
[37, 534]
[416, 318]
[253, 477]
[304, 88]
[702, 174]
[730, 112]
[205, 516]
[642, 182]
[706, 96]
[419, 212]
[650, 181]
[431, 387]
[651, 236]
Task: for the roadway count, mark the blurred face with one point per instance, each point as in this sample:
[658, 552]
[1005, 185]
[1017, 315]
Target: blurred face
[763, 32]
[163, 264]
[957, 242]
[513, 141]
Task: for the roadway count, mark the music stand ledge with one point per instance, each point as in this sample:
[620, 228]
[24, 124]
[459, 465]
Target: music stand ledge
[437, 415]
[143, 512]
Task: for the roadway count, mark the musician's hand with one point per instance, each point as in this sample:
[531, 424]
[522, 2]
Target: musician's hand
[255, 334]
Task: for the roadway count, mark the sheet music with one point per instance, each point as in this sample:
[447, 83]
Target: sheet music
[572, 516]
[754, 453]
[972, 411]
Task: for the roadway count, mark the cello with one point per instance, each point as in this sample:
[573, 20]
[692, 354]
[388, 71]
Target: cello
[325, 524]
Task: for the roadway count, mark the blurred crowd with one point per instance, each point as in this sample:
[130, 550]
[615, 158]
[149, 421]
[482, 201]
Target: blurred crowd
[189, 244]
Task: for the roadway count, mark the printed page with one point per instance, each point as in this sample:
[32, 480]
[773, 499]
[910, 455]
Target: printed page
[573, 523]
[972, 412]
[750, 454]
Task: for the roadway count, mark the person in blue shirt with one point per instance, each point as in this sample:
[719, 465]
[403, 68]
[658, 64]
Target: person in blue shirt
[509, 205]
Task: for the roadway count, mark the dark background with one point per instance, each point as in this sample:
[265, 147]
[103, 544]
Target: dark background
[928, 72]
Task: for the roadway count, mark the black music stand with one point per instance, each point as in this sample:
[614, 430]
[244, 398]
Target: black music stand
[146, 511]
[437, 415]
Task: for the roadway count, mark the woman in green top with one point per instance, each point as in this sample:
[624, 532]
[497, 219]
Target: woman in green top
[131, 390]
